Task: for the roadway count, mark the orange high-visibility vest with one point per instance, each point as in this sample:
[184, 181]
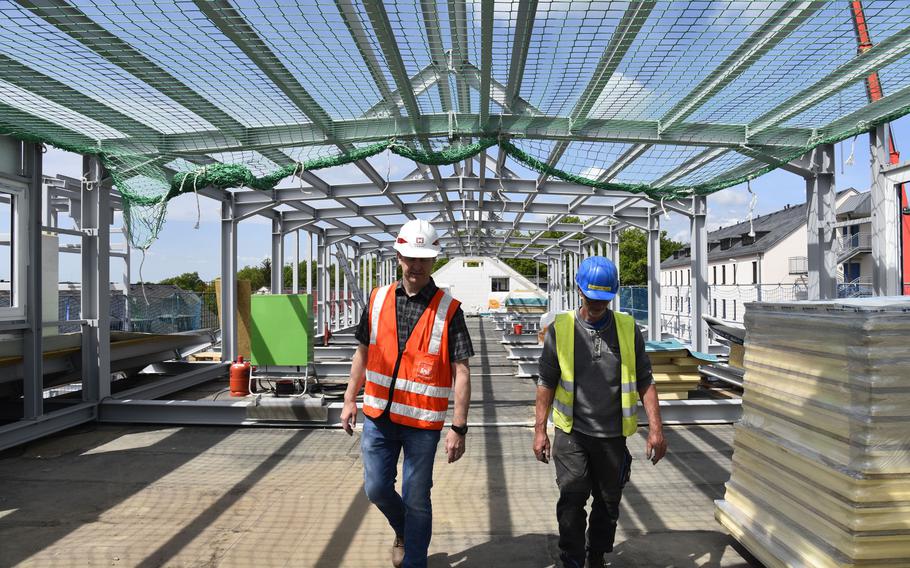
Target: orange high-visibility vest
[420, 377]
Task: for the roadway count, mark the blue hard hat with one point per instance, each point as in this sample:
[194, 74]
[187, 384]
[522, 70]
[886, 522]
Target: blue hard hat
[598, 278]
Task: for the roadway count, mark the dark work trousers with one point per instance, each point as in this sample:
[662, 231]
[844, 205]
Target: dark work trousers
[586, 465]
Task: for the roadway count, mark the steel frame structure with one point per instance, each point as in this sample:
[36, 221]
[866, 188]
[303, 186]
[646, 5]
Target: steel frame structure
[470, 207]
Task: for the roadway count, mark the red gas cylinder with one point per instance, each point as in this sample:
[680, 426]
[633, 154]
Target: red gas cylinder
[240, 377]
[516, 329]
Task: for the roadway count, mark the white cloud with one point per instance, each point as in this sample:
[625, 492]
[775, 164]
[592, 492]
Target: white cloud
[730, 197]
[183, 208]
[619, 94]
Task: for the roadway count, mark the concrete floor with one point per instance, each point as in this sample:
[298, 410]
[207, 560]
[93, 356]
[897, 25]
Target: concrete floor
[108, 495]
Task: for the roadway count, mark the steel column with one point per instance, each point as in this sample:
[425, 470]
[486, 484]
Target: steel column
[32, 347]
[295, 270]
[277, 256]
[309, 263]
[320, 284]
[886, 220]
[820, 224]
[96, 297]
[699, 288]
[228, 281]
[654, 331]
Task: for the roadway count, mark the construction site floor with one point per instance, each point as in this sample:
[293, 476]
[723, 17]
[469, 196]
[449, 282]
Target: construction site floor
[114, 495]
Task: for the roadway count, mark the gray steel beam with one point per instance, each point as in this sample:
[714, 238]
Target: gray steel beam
[486, 60]
[886, 217]
[96, 332]
[458, 26]
[349, 131]
[32, 350]
[233, 25]
[228, 281]
[699, 289]
[361, 39]
[770, 34]
[721, 411]
[193, 374]
[23, 431]
[654, 309]
[622, 39]
[691, 165]
[882, 54]
[277, 257]
[76, 24]
[437, 52]
[521, 43]
[379, 19]
[27, 78]
[820, 199]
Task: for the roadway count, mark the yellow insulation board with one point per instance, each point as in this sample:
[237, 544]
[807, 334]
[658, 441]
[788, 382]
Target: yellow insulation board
[821, 459]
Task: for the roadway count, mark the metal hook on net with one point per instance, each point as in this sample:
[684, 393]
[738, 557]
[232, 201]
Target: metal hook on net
[196, 191]
[851, 158]
[664, 207]
[298, 173]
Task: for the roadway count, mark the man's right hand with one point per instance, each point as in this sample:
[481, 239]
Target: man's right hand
[542, 447]
[349, 417]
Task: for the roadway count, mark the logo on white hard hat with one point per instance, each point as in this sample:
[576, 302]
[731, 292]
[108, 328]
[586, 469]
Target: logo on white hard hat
[419, 241]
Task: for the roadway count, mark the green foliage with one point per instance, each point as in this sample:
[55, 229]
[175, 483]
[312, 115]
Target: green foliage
[440, 262]
[633, 255]
[527, 267]
[560, 234]
[189, 281]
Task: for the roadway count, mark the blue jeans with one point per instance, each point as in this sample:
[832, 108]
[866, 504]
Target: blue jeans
[410, 514]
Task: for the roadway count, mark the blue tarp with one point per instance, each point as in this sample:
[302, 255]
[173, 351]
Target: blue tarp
[675, 345]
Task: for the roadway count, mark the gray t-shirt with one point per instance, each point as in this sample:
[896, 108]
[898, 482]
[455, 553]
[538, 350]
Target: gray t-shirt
[597, 410]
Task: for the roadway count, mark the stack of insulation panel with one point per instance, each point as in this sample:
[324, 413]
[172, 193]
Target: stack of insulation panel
[821, 460]
[675, 368]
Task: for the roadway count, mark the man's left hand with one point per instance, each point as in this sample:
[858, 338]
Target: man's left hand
[454, 446]
[656, 446]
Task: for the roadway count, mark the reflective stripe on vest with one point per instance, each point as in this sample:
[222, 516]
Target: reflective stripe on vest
[420, 391]
[564, 398]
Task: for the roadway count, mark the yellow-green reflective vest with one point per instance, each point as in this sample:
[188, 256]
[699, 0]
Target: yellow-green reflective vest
[565, 390]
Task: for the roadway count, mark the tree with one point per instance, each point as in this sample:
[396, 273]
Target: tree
[189, 281]
[258, 276]
[633, 255]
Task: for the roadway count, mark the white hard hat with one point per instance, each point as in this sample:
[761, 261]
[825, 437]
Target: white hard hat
[417, 239]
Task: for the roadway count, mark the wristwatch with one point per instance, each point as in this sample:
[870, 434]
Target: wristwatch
[460, 430]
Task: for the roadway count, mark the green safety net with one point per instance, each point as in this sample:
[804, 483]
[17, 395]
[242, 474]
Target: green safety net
[664, 99]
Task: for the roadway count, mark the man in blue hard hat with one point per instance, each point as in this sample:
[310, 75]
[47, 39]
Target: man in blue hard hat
[593, 372]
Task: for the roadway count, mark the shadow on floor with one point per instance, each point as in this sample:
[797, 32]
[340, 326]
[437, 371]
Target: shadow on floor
[676, 549]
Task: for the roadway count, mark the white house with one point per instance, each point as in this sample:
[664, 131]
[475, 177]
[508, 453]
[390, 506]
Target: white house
[771, 265]
[481, 283]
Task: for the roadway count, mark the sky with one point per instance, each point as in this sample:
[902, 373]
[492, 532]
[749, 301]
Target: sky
[182, 248]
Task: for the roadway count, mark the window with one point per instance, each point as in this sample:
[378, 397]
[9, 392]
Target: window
[734, 309]
[723, 274]
[473, 263]
[499, 284]
[723, 307]
[689, 277]
[13, 250]
[755, 272]
[714, 312]
[734, 274]
[714, 279]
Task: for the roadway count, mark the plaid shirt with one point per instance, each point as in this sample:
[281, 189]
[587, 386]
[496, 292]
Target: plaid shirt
[409, 309]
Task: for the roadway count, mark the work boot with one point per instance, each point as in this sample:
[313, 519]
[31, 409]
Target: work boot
[569, 562]
[398, 552]
[595, 560]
